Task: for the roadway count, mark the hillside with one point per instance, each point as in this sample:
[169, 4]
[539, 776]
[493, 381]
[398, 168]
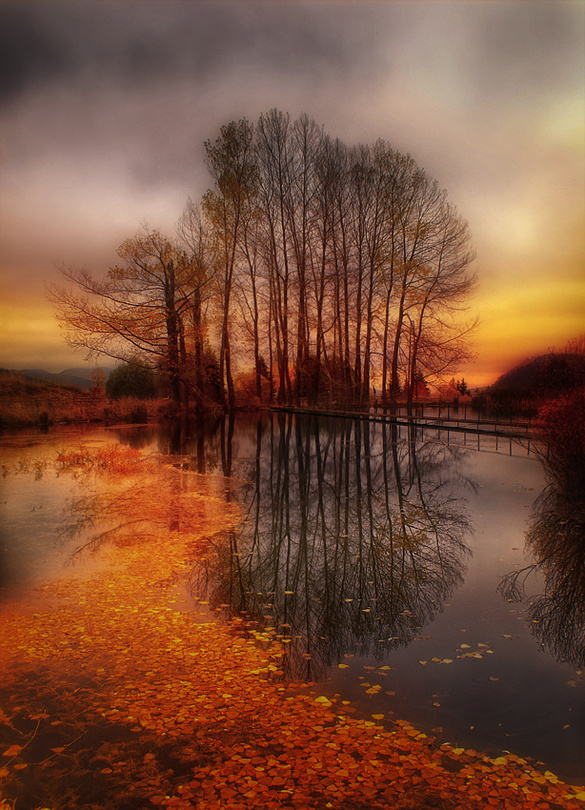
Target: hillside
[80, 377]
[17, 384]
[546, 374]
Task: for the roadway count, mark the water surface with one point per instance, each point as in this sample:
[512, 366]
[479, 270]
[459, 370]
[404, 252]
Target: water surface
[378, 554]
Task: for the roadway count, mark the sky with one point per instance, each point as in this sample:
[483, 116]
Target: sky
[105, 107]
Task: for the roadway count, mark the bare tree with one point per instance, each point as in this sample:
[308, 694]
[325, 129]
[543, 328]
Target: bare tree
[231, 162]
[138, 309]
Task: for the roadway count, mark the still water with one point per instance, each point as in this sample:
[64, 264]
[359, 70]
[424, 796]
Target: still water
[398, 566]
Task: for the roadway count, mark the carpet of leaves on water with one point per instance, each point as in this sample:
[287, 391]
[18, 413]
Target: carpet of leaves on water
[113, 698]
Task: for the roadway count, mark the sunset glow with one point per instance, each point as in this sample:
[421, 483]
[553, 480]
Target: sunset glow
[487, 97]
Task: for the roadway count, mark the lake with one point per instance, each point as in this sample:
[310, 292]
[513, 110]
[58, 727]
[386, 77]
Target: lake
[392, 563]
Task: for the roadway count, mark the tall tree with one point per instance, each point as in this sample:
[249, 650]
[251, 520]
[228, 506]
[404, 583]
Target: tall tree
[231, 162]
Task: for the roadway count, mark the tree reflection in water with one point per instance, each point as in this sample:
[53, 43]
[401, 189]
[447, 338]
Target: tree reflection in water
[556, 537]
[353, 539]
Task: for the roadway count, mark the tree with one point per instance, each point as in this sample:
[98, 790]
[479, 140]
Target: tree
[227, 206]
[138, 310]
[344, 267]
[132, 379]
[98, 380]
[461, 386]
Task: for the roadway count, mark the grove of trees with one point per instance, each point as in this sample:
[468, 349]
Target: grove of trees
[309, 272]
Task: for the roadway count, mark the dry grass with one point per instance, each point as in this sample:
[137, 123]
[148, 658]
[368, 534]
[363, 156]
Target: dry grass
[25, 401]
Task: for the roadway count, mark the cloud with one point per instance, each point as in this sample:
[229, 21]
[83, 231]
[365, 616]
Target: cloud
[106, 106]
[522, 53]
[140, 45]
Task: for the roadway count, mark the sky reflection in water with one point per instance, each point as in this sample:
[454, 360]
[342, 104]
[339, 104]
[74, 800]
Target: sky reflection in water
[385, 552]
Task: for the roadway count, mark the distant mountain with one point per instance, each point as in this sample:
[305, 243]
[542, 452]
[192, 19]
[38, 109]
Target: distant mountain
[548, 373]
[80, 377]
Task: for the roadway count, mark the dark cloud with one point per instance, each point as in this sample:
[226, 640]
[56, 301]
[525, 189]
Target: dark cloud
[29, 55]
[137, 44]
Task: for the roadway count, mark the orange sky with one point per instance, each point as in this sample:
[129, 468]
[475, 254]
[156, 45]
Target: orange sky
[486, 96]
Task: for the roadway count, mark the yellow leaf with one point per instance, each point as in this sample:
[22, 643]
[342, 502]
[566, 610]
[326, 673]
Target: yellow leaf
[342, 666]
[322, 699]
[378, 716]
[13, 751]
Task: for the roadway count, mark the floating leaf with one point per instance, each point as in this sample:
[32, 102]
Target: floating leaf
[212, 681]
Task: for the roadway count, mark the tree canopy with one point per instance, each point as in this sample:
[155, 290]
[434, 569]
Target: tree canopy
[335, 273]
